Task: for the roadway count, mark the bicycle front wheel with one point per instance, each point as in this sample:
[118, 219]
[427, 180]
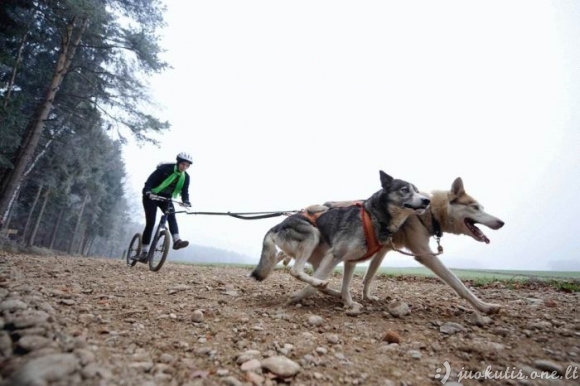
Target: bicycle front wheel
[158, 255]
[134, 250]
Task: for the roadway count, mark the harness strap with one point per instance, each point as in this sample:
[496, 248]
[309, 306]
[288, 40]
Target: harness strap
[373, 244]
[311, 217]
[436, 226]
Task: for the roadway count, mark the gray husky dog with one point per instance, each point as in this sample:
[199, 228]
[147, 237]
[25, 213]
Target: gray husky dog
[343, 234]
[451, 211]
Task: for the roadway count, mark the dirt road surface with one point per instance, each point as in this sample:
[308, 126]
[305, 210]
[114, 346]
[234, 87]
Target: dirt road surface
[89, 321]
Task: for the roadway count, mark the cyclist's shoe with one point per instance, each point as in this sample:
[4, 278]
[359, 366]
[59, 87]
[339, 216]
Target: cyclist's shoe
[178, 244]
[143, 256]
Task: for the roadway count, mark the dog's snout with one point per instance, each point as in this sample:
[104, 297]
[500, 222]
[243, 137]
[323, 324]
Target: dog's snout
[426, 202]
[500, 224]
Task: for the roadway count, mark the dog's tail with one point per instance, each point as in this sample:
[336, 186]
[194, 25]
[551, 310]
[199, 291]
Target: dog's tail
[269, 257]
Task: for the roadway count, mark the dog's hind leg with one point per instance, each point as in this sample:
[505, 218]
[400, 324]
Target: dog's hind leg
[322, 271]
[304, 252]
[434, 264]
[281, 256]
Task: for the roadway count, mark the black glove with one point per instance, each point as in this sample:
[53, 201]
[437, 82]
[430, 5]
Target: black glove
[147, 194]
[187, 204]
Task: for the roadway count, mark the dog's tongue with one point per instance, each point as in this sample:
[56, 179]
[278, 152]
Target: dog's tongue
[477, 232]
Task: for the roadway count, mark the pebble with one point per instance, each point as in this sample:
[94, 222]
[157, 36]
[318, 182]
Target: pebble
[29, 319]
[450, 328]
[414, 354]
[143, 366]
[281, 366]
[479, 320]
[32, 342]
[50, 368]
[321, 350]
[5, 344]
[90, 371]
[248, 355]
[546, 365]
[392, 337]
[179, 287]
[232, 381]
[315, 320]
[332, 338]
[398, 309]
[12, 305]
[309, 358]
[389, 347]
[86, 318]
[197, 316]
[85, 356]
[251, 365]
[166, 358]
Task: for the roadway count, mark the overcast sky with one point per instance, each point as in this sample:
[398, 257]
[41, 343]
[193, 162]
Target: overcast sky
[289, 103]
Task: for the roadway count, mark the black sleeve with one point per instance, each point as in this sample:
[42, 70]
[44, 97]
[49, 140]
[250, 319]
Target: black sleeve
[153, 179]
[185, 189]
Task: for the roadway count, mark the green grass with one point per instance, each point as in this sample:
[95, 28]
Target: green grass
[561, 281]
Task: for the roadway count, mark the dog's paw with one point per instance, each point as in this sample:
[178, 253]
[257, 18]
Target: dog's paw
[370, 298]
[491, 309]
[297, 296]
[320, 283]
[355, 309]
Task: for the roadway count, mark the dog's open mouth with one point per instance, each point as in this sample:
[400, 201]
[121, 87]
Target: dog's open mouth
[477, 234]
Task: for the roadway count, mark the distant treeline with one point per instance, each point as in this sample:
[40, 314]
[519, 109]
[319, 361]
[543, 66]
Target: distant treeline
[71, 91]
[203, 254]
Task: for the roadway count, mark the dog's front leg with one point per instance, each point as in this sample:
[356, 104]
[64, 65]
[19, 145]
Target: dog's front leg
[349, 268]
[434, 264]
[370, 274]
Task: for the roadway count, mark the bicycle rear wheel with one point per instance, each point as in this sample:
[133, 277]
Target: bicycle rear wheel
[134, 250]
[159, 253]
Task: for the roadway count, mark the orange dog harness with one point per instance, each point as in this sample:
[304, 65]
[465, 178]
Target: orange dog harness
[373, 244]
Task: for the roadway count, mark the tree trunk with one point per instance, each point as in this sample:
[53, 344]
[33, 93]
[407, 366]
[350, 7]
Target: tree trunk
[36, 159]
[13, 178]
[15, 69]
[5, 220]
[90, 246]
[78, 224]
[39, 218]
[83, 240]
[55, 229]
[36, 198]
[85, 243]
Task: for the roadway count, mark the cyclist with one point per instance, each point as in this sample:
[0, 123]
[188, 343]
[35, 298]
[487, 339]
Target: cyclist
[169, 180]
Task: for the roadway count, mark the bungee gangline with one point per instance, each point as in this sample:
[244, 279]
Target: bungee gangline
[248, 215]
[240, 215]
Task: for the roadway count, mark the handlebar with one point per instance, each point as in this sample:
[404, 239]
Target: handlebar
[160, 198]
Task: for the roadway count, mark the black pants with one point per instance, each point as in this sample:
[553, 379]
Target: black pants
[150, 207]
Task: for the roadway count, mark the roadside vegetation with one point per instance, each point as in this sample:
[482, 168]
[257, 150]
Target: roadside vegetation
[72, 91]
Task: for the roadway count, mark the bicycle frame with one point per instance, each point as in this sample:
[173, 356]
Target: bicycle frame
[161, 232]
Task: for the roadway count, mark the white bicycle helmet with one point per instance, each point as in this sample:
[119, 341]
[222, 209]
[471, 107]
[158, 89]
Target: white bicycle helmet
[184, 157]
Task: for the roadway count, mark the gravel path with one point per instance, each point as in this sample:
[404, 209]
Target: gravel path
[88, 321]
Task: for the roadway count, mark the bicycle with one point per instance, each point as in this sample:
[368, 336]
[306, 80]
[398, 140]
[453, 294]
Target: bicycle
[161, 240]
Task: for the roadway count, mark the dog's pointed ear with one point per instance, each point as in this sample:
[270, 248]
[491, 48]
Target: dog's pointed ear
[385, 179]
[457, 188]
